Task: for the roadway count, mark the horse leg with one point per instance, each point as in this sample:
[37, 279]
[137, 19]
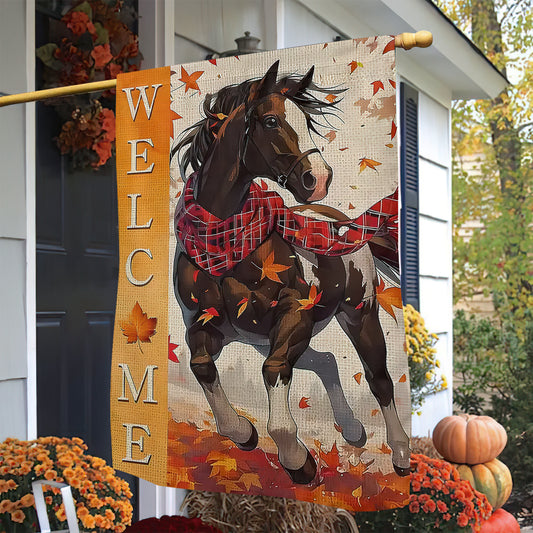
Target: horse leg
[364, 330]
[205, 344]
[289, 338]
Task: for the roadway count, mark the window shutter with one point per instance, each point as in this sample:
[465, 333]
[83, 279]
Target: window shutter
[409, 192]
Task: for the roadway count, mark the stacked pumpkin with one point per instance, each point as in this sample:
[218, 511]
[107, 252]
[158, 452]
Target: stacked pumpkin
[472, 444]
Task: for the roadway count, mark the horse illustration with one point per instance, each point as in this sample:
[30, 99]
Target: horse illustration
[238, 273]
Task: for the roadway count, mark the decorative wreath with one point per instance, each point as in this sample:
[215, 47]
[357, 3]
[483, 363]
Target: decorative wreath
[91, 42]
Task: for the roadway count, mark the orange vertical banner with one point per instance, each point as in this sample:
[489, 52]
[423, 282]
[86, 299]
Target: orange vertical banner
[140, 341]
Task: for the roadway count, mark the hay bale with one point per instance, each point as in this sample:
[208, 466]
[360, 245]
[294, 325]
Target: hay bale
[235, 513]
[424, 445]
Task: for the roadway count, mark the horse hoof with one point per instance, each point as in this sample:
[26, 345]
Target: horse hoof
[401, 457]
[353, 440]
[251, 443]
[305, 474]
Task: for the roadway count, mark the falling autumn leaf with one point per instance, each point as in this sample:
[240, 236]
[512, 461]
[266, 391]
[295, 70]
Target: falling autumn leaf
[325, 46]
[311, 300]
[385, 449]
[342, 149]
[221, 116]
[337, 427]
[249, 479]
[331, 98]
[212, 61]
[377, 85]
[403, 378]
[195, 276]
[330, 135]
[178, 194]
[208, 314]
[388, 298]
[374, 412]
[270, 269]
[273, 303]
[393, 130]
[391, 45]
[190, 79]
[393, 83]
[364, 162]
[358, 377]
[354, 65]
[193, 298]
[242, 306]
[351, 206]
[229, 485]
[358, 492]
[138, 327]
[171, 353]
[304, 403]
[389, 145]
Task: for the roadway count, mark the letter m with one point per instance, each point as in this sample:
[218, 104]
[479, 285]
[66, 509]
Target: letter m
[134, 108]
[127, 378]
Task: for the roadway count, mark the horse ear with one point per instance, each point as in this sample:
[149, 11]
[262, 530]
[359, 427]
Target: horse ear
[305, 81]
[266, 85]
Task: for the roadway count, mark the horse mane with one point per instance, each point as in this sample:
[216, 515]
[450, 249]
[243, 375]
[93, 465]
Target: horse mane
[193, 144]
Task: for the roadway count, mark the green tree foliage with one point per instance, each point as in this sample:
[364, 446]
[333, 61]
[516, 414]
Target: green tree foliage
[497, 259]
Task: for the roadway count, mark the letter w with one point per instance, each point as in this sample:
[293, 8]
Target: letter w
[142, 90]
[127, 377]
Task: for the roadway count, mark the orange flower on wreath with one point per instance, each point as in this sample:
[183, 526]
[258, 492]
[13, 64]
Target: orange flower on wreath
[102, 56]
[18, 516]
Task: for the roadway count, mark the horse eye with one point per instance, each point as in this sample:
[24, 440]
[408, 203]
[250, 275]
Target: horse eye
[270, 122]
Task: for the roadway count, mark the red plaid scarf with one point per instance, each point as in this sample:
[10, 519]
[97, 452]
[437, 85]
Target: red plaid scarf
[217, 246]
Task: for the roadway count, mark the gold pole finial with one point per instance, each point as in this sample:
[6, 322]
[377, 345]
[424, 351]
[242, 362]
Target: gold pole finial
[421, 39]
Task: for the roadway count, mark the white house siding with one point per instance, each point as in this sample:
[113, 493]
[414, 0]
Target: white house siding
[435, 248]
[13, 225]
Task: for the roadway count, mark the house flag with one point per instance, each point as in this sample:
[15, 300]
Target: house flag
[259, 335]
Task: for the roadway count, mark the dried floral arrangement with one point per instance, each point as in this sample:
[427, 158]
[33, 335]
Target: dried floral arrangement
[102, 498]
[91, 42]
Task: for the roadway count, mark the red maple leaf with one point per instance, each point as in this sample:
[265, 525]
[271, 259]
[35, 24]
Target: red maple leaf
[377, 86]
[311, 300]
[270, 269]
[212, 61]
[171, 353]
[358, 377]
[208, 314]
[391, 45]
[393, 130]
[304, 403]
[242, 306]
[190, 79]
[388, 298]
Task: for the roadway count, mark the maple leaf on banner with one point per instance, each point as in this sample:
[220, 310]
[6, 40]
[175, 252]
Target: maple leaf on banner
[229, 485]
[212, 61]
[377, 85]
[354, 65]
[365, 162]
[389, 145]
[358, 377]
[311, 300]
[190, 79]
[393, 83]
[351, 206]
[171, 353]
[391, 45]
[270, 269]
[331, 98]
[242, 306]
[402, 379]
[304, 403]
[330, 135]
[249, 479]
[393, 130]
[208, 314]
[385, 449]
[388, 298]
[374, 412]
[138, 328]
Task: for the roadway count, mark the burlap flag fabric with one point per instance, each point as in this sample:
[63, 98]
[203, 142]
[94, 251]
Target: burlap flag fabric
[259, 334]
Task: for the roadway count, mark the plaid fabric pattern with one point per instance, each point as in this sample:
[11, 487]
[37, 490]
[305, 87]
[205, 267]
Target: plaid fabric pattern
[217, 246]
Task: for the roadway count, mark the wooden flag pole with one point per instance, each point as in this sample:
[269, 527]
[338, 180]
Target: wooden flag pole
[420, 39]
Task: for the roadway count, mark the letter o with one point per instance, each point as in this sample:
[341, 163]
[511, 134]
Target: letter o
[129, 274]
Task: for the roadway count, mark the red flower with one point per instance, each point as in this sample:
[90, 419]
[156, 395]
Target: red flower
[101, 55]
[462, 520]
[429, 507]
[441, 506]
[113, 70]
[414, 507]
[103, 149]
[107, 119]
[78, 23]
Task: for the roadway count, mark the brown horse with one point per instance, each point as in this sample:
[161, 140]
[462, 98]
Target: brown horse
[246, 134]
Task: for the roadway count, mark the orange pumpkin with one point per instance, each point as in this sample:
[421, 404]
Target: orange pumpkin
[493, 479]
[469, 439]
[500, 521]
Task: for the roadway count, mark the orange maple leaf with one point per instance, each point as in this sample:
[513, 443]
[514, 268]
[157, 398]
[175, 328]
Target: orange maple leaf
[365, 162]
[351, 206]
[403, 378]
[393, 83]
[388, 298]
[389, 145]
[304, 403]
[190, 79]
[358, 377]
[270, 269]
[229, 485]
[330, 135]
[374, 412]
[393, 130]
[208, 314]
[249, 479]
[138, 328]
[377, 85]
[391, 45]
[331, 98]
[311, 300]
[385, 449]
[242, 306]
